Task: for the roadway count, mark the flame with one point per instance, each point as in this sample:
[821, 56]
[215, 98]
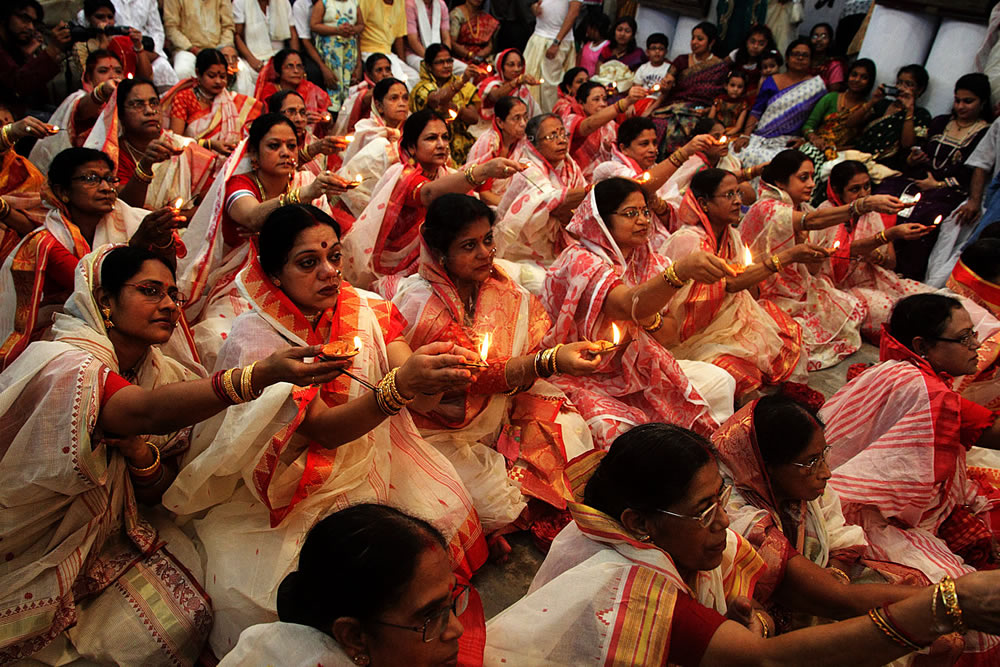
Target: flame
[541, 81]
[917, 198]
[130, 75]
[644, 178]
[655, 89]
[359, 178]
[357, 342]
[484, 347]
[747, 256]
[177, 204]
[349, 138]
[55, 128]
[489, 68]
[452, 114]
[616, 335]
[937, 220]
[722, 139]
[836, 244]
[326, 118]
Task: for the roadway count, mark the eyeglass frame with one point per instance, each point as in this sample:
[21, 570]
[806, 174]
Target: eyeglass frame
[178, 298]
[708, 515]
[732, 195]
[634, 212]
[459, 598]
[94, 179]
[153, 104]
[560, 134]
[965, 340]
[813, 466]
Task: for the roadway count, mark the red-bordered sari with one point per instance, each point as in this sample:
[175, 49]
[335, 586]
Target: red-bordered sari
[486, 148]
[262, 485]
[21, 187]
[983, 387]
[621, 165]
[315, 97]
[228, 119]
[596, 147]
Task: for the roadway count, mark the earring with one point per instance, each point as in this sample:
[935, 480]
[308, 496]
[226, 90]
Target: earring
[64, 199]
[644, 538]
[360, 659]
[106, 313]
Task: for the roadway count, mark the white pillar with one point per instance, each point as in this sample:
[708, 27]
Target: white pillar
[654, 19]
[895, 38]
[950, 57]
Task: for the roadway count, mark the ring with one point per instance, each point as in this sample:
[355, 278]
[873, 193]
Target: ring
[312, 379]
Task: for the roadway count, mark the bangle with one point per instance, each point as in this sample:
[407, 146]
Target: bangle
[227, 385]
[776, 262]
[764, 625]
[677, 158]
[541, 364]
[620, 105]
[555, 361]
[246, 388]
[142, 174]
[881, 237]
[145, 472]
[304, 154]
[656, 325]
[840, 574]
[220, 391]
[949, 595]
[670, 275]
[470, 177]
[907, 118]
[4, 209]
[890, 631]
[293, 196]
[8, 143]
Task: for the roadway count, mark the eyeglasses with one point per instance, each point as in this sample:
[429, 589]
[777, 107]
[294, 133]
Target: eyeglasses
[799, 55]
[139, 105]
[93, 179]
[293, 66]
[449, 61]
[154, 293]
[820, 37]
[814, 462]
[633, 212]
[708, 516]
[293, 112]
[729, 196]
[436, 623]
[969, 339]
[552, 136]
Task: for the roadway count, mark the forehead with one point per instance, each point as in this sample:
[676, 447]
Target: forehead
[154, 270]
[397, 89]
[646, 135]
[549, 125]
[108, 62]
[705, 483]
[314, 236]
[959, 320]
[98, 166]
[292, 58]
[435, 126]
[475, 229]
[280, 131]
[142, 91]
[800, 51]
[292, 102]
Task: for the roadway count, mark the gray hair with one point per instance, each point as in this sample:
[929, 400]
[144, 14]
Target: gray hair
[531, 130]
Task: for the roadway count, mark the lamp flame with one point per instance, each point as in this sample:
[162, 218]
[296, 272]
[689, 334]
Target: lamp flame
[836, 244]
[130, 75]
[722, 140]
[644, 178]
[917, 198]
[616, 334]
[655, 89]
[541, 81]
[349, 138]
[55, 128]
[452, 114]
[937, 220]
[489, 68]
[357, 342]
[484, 347]
[327, 118]
[178, 203]
[747, 256]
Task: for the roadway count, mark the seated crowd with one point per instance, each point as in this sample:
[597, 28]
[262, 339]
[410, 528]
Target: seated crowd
[307, 317]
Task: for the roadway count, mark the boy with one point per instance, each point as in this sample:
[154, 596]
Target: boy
[652, 72]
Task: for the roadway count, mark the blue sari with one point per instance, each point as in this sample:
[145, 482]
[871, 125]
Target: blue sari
[782, 114]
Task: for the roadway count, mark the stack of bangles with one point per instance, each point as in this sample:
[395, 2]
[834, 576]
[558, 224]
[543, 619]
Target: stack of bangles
[945, 589]
[621, 106]
[152, 474]
[4, 209]
[227, 391]
[389, 400]
[882, 238]
[290, 197]
[678, 158]
[670, 275]
[304, 155]
[750, 173]
[470, 177]
[655, 325]
[6, 143]
[856, 207]
[142, 174]
[658, 205]
[545, 362]
[97, 96]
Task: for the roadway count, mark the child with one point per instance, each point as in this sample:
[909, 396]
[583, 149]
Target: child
[596, 28]
[731, 109]
[770, 64]
[652, 73]
[747, 57]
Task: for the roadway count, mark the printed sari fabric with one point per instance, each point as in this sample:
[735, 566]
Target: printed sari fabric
[621, 165]
[522, 92]
[698, 84]
[228, 119]
[87, 573]
[593, 149]
[476, 33]
[593, 599]
[375, 148]
[461, 138]
[782, 114]
[642, 382]
[315, 98]
[754, 341]
[899, 438]
[502, 445]
[881, 136]
[353, 109]
[566, 105]
[982, 299]
[830, 319]
[259, 485]
[486, 148]
[65, 118]
[20, 185]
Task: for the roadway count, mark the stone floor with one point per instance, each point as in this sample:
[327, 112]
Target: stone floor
[500, 585]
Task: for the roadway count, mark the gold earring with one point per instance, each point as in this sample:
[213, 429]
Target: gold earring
[360, 659]
[106, 312]
[64, 199]
[277, 283]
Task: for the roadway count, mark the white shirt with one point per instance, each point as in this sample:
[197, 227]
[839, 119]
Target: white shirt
[648, 75]
[143, 15]
[550, 21]
[301, 12]
[240, 16]
[987, 152]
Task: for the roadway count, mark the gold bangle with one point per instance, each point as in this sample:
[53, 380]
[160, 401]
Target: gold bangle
[145, 472]
[878, 618]
[142, 174]
[949, 595]
[764, 625]
[227, 384]
[5, 136]
[656, 325]
[555, 361]
[776, 262]
[4, 209]
[840, 574]
[881, 237]
[394, 391]
[670, 275]
[246, 388]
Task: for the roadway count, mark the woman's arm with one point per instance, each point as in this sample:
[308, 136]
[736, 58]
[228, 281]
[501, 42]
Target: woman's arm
[177, 125]
[458, 182]
[250, 213]
[318, 26]
[15, 220]
[822, 218]
[606, 115]
[761, 270]
[244, 51]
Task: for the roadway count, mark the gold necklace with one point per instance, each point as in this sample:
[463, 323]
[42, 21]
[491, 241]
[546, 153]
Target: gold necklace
[134, 153]
[260, 185]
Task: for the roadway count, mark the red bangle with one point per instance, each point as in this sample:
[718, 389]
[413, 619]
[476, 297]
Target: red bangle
[219, 390]
[897, 627]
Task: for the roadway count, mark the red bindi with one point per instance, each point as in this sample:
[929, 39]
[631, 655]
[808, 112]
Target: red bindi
[322, 244]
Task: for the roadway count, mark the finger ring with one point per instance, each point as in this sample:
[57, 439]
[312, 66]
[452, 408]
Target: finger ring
[312, 379]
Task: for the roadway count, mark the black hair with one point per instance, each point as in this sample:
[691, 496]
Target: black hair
[783, 428]
[505, 105]
[372, 60]
[868, 65]
[919, 75]
[801, 41]
[275, 101]
[66, 162]
[381, 88]
[92, 59]
[707, 181]
[647, 468]
[508, 54]
[924, 315]
[983, 258]
[783, 166]
[738, 74]
[375, 548]
[568, 77]
[279, 58]
[535, 124]
[585, 89]
[833, 45]
[610, 193]
[711, 32]
[631, 46]
[448, 215]
[743, 54]
[90, 7]
[282, 227]
[122, 263]
[978, 84]
[658, 38]
[843, 172]
[432, 52]
[208, 57]
[126, 87]
[599, 21]
[262, 125]
[704, 125]
[9, 7]
[632, 127]
[415, 124]
[772, 54]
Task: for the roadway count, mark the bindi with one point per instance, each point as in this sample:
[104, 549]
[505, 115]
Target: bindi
[322, 244]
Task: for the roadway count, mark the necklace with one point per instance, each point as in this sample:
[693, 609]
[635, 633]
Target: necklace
[260, 185]
[959, 142]
[134, 153]
[202, 96]
[476, 37]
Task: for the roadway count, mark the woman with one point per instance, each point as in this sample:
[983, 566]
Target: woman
[650, 540]
[830, 319]
[700, 77]
[895, 124]
[120, 584]
[84, 212]
[358, 102]
[202, 108]
[613, 276]
[837, 118]
[505, 138]
[337, 24]
[899, 437]
[509, 80]
[936, 168]
[592, 133]
[261, 476]
[825, 64]
[473, 31]
[384, 243]
[783, 105]
[864, 262]
[259, 177]
[99, 16]
[461, 296]
[566, 102]
[21, 208]
[285, 71]
[539, 202]
[722, 323]
[314, 154]
[451, 96]
[622, 46]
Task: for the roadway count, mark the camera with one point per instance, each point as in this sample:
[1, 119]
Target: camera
[891, 92]
[79, 33]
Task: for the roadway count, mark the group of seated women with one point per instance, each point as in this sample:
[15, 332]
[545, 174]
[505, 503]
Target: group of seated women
[290, 379]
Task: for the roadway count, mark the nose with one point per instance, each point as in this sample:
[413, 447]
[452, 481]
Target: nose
[721, 519]
[454, 629]
[824, 473]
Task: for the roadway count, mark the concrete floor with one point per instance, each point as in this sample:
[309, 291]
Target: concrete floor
[500, 585]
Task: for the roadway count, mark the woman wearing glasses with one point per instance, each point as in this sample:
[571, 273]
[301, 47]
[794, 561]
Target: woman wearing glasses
[649, 573]
[84, 212]
[285, 71]
[900, 438]
[396, 603]
[94, 421]
[313, 152]
[612, 276]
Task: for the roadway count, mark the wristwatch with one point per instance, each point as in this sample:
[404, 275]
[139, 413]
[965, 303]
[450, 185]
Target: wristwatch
[556, 42]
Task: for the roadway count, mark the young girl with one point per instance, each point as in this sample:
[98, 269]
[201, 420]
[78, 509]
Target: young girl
[337, 24]
[731, 108]
[622, 46]
[596, 28]
[747, 58]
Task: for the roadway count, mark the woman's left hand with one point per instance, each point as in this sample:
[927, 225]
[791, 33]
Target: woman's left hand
[578, 358]
[527, 80]
[134, 449]
[908, 231]
[884, 204]
[222, 147]
[157, 228]
[333, 184]
[314, 117]
[928, 182]
[500, 167]
[29, 126]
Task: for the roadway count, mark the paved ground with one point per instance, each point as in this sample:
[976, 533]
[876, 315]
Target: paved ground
[502, 585]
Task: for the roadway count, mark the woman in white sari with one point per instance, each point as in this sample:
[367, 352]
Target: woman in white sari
[505, 137]
[260, 476]
[88, 573]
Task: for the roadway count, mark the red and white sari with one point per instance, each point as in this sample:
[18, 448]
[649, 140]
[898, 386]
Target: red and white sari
[900, 437]
[522, 92]
[375, 148]
[228, 119]
[565, 106]
[259, 485]
[315, 98]
[980, 296]
[830, 319]
[642, 382]
[621, 165]
[353, 110]
[486, 148]
[593, 149]
[754, 341]
[21, 186]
